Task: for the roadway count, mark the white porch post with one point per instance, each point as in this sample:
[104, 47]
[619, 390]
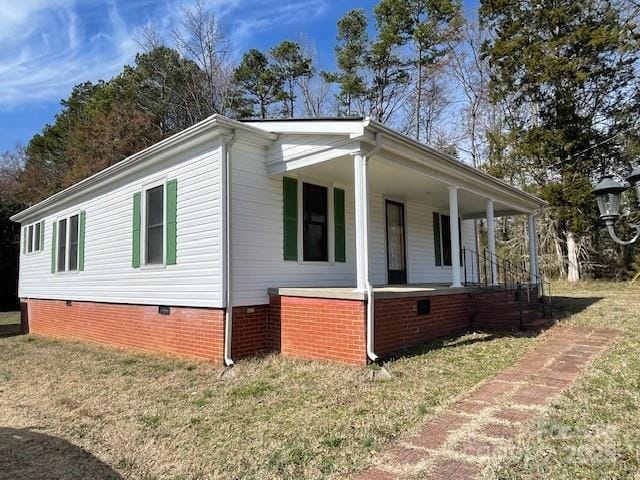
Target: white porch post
[455, 237]
[491, 242]
[361, 191]
[533, 248]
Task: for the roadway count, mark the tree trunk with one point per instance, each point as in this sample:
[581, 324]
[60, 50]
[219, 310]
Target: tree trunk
[573, 269]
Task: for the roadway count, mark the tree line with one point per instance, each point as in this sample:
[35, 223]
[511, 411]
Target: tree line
[541, 93]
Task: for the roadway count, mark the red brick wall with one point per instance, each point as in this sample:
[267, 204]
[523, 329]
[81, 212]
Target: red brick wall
[322, 329]
[398, 325]
[186, 332]
[249, 331]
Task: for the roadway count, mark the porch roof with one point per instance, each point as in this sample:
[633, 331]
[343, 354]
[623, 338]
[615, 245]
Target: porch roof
[403, 168]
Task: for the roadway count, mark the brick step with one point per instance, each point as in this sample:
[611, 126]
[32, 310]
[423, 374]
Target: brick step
[538, 324]
[497, 307]
[527, 314]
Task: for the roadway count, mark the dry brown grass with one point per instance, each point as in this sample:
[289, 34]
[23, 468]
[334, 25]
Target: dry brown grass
[9, 318]
[593, 431]
[148, 417]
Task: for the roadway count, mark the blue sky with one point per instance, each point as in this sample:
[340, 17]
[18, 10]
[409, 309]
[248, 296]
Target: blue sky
[47, 46]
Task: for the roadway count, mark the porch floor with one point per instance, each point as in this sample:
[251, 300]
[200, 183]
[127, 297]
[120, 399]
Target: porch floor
[379, 291]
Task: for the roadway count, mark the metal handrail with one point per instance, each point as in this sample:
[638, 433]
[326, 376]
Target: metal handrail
[508, 276]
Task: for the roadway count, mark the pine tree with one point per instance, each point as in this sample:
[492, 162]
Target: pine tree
[563, 72]
[290, 64]
[259, 81]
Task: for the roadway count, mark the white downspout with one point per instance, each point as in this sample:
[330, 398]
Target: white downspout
[226, 215]
[370, 301]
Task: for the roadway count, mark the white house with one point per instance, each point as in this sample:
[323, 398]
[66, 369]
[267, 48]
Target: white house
[330, 238]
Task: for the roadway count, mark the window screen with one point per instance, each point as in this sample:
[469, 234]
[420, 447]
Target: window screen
[154, 225]
[73, 243]
[315, 222]
[30, 239]
[62, 245]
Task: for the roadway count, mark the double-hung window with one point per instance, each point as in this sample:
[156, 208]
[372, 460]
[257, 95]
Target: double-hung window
[315, 223]
[154, 225]
[33, 238]
[442, 239]
[68, 243]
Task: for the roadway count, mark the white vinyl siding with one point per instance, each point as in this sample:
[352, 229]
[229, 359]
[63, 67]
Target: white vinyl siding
[257, 235]
[196, 279]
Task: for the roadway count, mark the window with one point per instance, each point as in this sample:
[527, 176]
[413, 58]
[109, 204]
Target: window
[62, 245]
[73, 243]
[442, 239]
[33, 238]
[30, 239]
[154, 225]
[315, 223]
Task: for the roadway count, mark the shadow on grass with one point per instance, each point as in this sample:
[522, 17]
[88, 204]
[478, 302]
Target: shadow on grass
[10, 330]
[564, 307]
[29, 455]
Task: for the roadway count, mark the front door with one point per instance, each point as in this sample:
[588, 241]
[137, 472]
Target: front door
[396, 255]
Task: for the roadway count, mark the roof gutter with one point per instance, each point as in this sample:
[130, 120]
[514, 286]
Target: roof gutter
[228, 277]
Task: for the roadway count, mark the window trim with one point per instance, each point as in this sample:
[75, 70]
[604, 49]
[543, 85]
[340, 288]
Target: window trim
[67, 246]
[143, 224]
[32, 238]
[331, 241]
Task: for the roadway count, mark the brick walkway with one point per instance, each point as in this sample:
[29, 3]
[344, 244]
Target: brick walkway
[460, 441]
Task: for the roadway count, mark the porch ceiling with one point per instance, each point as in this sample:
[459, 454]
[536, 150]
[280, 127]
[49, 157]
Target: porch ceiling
[403, 184]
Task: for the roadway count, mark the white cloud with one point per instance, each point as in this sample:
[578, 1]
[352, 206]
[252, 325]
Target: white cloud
[47, 46]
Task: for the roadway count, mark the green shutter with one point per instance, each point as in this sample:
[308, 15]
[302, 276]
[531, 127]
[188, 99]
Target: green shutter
[42, 235]
[24, 239]
[437, 247]
[460, 241]
[339, 220]
[135, 257]
[290, 202]
[81, 228]
[54, 231]
[172, 232]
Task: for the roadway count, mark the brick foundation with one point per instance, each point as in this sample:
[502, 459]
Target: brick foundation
[249, 331]
[298, 327]
[322, 328]
[398, 325]
[186, 332]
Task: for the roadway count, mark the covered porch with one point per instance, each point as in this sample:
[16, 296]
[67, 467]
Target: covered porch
[411, 268]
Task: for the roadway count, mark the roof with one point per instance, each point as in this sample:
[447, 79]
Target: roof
[208, 125]
[356, 127]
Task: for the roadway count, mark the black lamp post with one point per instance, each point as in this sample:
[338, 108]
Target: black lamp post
[607, 193]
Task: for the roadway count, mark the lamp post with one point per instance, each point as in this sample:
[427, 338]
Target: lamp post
[607, 194]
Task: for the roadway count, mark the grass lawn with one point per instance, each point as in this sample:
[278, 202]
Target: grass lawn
[150, 417]
[9, 318]
[592, 432]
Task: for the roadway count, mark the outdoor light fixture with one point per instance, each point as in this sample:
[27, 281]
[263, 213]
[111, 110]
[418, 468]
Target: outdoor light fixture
[608, 193]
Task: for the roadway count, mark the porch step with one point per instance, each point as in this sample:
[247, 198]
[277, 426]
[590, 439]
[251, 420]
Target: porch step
[538, 324]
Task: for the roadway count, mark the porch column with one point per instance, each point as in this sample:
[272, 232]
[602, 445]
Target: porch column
[455, 237]
[533, 248]
[361, 192]
[491, 242]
